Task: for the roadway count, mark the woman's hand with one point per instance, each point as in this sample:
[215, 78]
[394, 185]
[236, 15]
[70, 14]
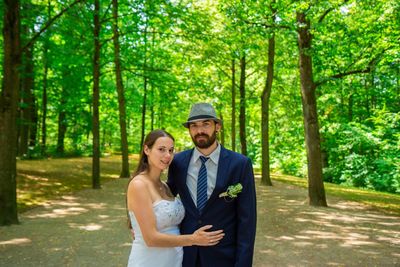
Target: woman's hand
[203, 238]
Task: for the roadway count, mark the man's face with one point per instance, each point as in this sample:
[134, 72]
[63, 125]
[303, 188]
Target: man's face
[204, 133]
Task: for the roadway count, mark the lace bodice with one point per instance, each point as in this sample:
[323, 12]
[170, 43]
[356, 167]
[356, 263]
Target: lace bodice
[168, 213]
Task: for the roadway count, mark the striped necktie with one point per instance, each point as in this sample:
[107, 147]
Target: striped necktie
[202, 184]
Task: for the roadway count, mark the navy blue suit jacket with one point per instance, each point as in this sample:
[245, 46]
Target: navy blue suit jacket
[237, 216]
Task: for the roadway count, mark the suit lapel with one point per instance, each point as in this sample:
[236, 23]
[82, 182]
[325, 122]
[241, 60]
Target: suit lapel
[222, 179]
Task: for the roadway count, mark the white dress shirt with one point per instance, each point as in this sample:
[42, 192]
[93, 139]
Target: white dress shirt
[194, 168]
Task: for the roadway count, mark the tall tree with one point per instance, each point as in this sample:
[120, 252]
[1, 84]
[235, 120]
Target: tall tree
[8, 112]
[9, 103]
[96, 98]
[121, 93]
[265, 99]
[45, 85]
[27, 103]
[316, 189]
[62, 117]
[242, 109]
[233, 106]
[44, 99]
[145, 82]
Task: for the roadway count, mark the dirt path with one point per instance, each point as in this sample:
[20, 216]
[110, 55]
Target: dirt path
[346, 234]
[88, 229]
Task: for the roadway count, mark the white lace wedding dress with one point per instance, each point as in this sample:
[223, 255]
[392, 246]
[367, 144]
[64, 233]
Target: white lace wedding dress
[169, 215]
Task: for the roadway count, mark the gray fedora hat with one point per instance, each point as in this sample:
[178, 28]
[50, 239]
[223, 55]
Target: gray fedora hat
[201, 111]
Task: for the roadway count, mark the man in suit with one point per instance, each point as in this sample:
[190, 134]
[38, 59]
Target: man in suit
[201, 176]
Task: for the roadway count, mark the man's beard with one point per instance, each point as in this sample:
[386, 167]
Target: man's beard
[209, 140]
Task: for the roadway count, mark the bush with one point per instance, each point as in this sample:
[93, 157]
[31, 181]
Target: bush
[364, 156]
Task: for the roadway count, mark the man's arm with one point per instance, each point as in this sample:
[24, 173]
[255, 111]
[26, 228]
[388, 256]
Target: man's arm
[247, 218]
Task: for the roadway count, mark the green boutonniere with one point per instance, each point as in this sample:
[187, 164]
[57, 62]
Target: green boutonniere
[232, 191]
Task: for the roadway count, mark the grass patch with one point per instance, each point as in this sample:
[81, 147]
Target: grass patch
[379, 200]
[41, 180]
[38, 181]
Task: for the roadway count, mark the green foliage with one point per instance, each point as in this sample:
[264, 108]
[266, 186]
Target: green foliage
[184, 51]
[365, 155]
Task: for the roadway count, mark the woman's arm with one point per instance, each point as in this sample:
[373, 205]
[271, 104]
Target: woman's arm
[140, 202]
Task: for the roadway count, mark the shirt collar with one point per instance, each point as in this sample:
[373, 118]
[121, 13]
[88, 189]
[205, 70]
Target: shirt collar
[214, 156]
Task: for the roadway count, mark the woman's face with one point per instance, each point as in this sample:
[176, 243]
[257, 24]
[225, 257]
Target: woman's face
[161, 154]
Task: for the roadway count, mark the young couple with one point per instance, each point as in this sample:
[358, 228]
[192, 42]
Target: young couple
[214, 216]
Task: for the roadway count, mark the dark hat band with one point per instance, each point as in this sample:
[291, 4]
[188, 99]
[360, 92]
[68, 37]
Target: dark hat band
[201, 117]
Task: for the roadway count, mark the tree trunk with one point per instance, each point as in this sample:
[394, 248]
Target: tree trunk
[120, 91]
[265, 169]
[62, 129]
[8, 112]
[152, 101]
[233, 111]
[242, 114]
[144, 103]
[96, 98]
[144, 107]
[29, 84]
[33, 127]
[27, 111]
[316, 191]
[44, 95]
[44, 100]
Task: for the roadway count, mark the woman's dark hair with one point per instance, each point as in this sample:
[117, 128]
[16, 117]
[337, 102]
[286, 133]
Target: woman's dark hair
[143, 164]
[149, 141]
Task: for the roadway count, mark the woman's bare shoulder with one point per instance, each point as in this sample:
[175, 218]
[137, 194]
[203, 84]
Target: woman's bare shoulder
[138, 183]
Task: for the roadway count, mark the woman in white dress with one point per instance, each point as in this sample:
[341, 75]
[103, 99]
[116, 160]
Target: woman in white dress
[155, 214]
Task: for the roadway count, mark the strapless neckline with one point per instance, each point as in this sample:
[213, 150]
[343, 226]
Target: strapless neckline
[155, 203]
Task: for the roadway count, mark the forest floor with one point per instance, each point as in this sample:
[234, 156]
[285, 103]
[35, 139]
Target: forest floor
[88, 228]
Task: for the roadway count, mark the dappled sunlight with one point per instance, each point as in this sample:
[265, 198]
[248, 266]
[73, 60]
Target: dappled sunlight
[265, 251]
[321, 234]
[394, 240]
[35, 178]
[59, 213]
[39, 181]
[284, 238]
[126, 244]
[389, 224]
[292, 228]
[381, 216]
[56, 249]
[15, 241]
[349, 205]
[356, 243]
[96, 205]
[88, 227]
[111, 176]
[68, 201]
[340, 217]
[303, 243]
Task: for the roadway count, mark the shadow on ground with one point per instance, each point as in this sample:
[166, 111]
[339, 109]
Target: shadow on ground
[89, 229]
[292, 233]
[84, 229]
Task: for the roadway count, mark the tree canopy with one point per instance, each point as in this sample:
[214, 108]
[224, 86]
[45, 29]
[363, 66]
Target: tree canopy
[174, 53]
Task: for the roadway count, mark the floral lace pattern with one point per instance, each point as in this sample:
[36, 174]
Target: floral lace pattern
[168, 213]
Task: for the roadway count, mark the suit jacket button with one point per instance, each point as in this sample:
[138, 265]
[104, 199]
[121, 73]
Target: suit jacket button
[200, 221]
